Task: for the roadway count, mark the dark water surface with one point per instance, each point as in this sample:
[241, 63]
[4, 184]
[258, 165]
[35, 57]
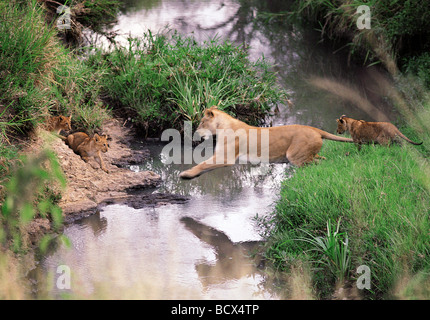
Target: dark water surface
[199, 249]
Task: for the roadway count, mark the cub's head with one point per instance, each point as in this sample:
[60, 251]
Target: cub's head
[341, 125]
[64, 123]
[101, 142]
[209, 123]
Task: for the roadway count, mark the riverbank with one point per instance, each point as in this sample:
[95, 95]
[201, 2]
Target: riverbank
[367, 208]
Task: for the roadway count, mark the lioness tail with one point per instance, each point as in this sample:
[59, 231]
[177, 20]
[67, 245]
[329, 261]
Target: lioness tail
[329, 136]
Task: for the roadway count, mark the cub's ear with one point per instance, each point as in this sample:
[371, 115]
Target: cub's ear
[96, 136]
[209, 113]
[340, 120]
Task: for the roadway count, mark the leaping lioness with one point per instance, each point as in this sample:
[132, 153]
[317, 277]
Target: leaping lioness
[366, 132]
[299, 144]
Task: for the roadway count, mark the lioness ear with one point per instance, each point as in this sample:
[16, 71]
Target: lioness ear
[209, 113]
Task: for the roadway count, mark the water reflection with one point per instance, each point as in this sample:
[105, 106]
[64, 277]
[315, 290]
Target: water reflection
[232, 260]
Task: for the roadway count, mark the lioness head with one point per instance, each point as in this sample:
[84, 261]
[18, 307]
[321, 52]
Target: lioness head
[208, 124]
[101, 142]
[341, 125]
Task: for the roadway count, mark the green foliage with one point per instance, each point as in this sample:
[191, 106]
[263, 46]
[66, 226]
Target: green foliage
[26, 52]
[165, 79]
[39, 77]
[401, 27]
[383, 201]
[26, 196]
[419, 66]
[332, 250]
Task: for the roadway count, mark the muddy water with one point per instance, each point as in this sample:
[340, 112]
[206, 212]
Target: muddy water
[200, 249]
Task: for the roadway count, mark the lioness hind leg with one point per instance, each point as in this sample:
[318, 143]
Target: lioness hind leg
[303, 153]
[300, 158]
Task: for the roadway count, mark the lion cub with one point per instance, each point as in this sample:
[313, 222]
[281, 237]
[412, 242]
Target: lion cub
[88, 147]
[366, 132]
[58, 123]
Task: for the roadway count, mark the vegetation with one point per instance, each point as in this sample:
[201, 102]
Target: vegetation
[165, 79]
[379, 197]
[39, 77]
[399, 36]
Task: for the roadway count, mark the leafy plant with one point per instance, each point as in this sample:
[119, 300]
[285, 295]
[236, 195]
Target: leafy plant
[333, 250]
[166, 78]
[26, 197]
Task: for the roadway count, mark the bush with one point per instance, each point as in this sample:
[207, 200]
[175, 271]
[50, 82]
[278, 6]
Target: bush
[165, 79]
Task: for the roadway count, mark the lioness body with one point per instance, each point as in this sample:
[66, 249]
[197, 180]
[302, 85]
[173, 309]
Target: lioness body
[299, 144]
[367, 132]
[88, 147]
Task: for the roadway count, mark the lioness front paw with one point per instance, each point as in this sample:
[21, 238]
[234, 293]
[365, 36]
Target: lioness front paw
[186, 175]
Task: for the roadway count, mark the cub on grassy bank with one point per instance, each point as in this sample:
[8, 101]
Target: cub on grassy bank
[57, 123]
[366, 132]
[88, 147]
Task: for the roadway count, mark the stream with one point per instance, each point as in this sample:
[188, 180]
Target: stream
[202, 249]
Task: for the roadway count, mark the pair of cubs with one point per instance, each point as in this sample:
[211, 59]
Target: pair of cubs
[87, 147]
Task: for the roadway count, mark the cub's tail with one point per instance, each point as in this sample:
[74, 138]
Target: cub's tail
[401, 135]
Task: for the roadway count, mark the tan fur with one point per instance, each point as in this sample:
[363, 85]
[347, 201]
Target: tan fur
[58, 123]
[298, 144]
[88, 147]
[362, 131]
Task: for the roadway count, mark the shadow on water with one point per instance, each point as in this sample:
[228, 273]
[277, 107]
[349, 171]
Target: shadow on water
[232, 260]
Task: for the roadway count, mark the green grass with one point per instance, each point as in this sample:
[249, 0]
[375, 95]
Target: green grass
[383, 202]
[332, 249]
[39, 76]
[166, 78]
[399, 30]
